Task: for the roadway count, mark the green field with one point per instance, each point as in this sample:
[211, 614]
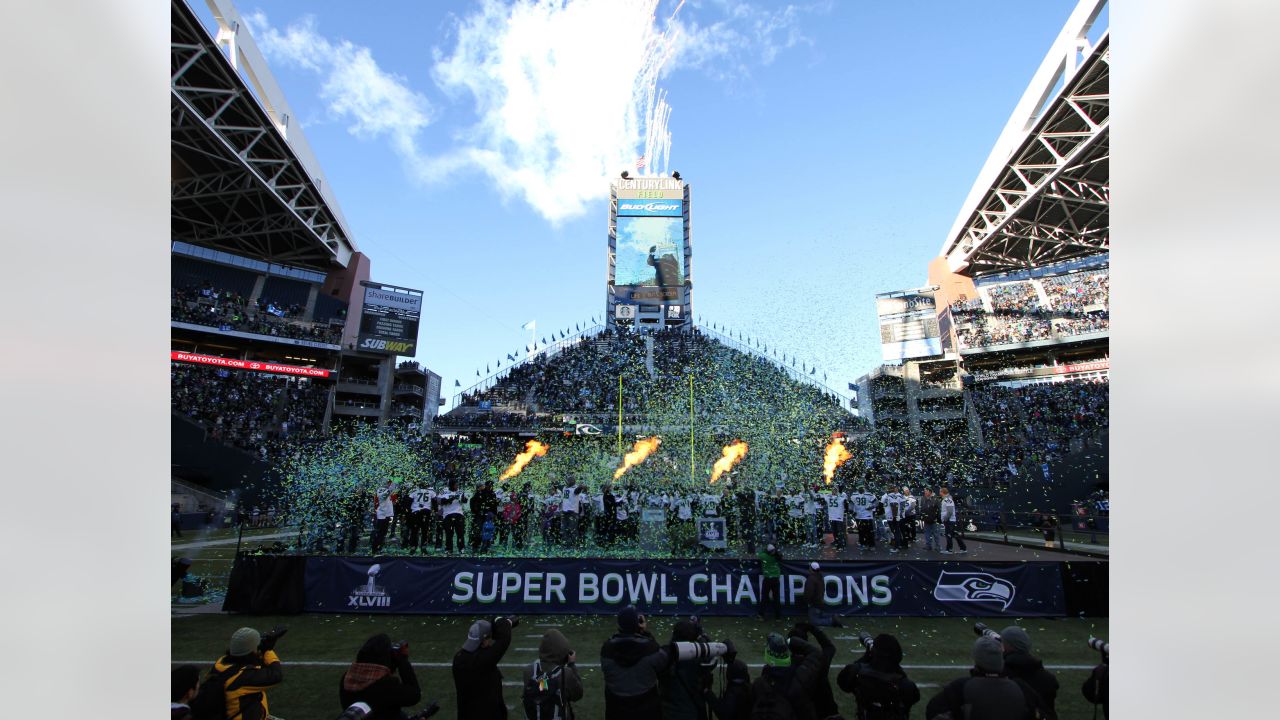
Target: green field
[318, 648]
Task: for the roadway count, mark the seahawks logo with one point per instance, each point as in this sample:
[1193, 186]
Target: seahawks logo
[973, 587]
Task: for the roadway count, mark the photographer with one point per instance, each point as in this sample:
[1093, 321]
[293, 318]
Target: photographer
[824, 700]
[1095, 687]
[632, 661]
[878, 683]
[1020, 664]
[685, 682]
[552, 683]
[371, 679]
[735, 700]
[236, 686]
[476, 677]
[786, 688]
[986, 693]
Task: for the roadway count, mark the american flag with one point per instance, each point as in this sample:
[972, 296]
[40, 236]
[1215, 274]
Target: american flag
[640, 162]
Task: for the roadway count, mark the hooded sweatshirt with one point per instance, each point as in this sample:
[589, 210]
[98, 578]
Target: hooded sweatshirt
[631, 663]
[877, 679]
[553, 652]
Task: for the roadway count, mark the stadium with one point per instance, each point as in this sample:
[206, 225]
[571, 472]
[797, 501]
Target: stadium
[323, 480]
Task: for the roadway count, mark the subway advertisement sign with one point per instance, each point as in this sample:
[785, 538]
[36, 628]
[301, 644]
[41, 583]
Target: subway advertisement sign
[389, 320]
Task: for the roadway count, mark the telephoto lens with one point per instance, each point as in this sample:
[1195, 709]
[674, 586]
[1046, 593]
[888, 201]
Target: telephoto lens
[865, 638]
[427, 711]
[982, 629]
[355, 712]
[1101, 646]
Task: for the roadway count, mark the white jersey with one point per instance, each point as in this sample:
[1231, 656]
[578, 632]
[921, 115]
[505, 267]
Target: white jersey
[948, 509]
[570, 499]
[864, 505]
[795, 506]
[710, 505]
[910, 507]
[684, 509]
[421, 499]
[597, 501]
[835, 508]
[894, 504]
[385, 507]
[451, 502]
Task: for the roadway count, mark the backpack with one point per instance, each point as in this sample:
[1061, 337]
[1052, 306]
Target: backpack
[210, 702]
[773, 700]
[543, 694]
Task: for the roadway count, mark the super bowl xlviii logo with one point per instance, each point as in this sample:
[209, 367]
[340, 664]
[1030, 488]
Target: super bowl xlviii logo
[973, 587]
[370, 594]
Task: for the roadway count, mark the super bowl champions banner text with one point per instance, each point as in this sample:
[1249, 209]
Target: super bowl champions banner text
[704, 587]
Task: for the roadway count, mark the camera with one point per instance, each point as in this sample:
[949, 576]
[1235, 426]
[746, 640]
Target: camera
[1101, 646]
[982, 629]
[865, 638]
[427, 711]
[355, 711]
[401, 648]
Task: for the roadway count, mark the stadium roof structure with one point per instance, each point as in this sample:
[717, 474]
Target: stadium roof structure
[244, 179]
[1044, 193]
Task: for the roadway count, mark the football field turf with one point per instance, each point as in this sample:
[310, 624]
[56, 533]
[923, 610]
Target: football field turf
[318, 648]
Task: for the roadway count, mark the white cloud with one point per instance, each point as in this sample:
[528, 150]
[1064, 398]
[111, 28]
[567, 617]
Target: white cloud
[376, 103]
[565, 91]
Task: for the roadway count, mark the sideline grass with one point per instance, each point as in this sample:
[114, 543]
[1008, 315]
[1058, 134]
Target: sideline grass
[310, 692]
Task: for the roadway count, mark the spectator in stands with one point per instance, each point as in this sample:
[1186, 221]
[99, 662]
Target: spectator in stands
[1020, 664]
[783, 683]
[245, 674]
[552, 683]
[476, 678]
[878, 683]
[184, 682]
[372, 679]
[987, 692]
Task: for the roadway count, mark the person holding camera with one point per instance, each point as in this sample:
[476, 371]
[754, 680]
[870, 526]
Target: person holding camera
[552, 683]
[236, 686]
[1095, 688]
[1020, 664]
[987, 692]
[824, 700]
[684, 683]
[735, 701]
[632, 662]
[878, 683]
[371, 679]
[476, 677]
[787, 688]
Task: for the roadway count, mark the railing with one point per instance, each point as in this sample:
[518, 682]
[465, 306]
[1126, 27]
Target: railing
[1084, 528]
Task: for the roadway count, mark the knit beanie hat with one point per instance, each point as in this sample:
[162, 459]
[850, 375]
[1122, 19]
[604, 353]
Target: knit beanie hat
[243, 642]
[776, 652]
[1016, 638]
[629, 619]
[988, 655]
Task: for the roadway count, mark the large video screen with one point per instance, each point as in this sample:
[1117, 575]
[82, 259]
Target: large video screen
[389, 320]
[908, 326]
[650, 252]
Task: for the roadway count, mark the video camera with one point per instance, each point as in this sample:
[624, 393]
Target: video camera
[982, 629]
[865, 638]
[1101, 646]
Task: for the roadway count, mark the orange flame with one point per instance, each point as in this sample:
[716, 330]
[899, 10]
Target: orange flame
[732, 454]
[532, 449]
[641, 450]
[836, 456]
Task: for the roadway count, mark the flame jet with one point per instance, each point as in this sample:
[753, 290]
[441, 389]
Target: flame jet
[642, 449]
[837, 455]
[731, 455]
[532, 449]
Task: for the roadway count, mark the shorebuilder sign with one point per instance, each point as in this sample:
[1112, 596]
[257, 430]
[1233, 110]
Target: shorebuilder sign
[715, 587]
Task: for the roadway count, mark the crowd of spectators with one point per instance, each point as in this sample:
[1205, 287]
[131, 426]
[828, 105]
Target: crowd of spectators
[246, 409]
[228, 310]
[1033, 425]
[643, 676]
[1078, 303]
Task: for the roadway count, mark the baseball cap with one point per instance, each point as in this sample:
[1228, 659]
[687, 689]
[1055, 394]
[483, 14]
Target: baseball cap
[480, 630]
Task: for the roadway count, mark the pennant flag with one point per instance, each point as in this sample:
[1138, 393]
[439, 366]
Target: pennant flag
[486, 369]
[527, 326]
[575, 328]
[477, 373]
[457, 384]
[811, 372]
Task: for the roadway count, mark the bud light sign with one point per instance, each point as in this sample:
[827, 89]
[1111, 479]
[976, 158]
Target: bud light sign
[650, 208]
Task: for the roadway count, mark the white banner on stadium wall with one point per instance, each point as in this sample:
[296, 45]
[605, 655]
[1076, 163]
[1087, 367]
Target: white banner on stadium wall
[624, 312]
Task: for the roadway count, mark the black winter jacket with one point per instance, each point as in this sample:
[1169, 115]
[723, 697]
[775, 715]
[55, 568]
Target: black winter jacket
[1023, 666]
[478, 681]
[385, 695]
[631, 664]
[986, 697]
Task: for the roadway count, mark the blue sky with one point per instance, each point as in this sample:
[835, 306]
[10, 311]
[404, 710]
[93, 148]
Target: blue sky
[828, 147]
